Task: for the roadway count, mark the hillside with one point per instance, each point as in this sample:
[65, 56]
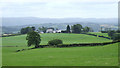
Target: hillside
[71, 56]
[75, 56]
[67, 39]
[13, 25]
[15, 21]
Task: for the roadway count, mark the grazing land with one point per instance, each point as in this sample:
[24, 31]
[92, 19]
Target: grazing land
[72, 56]
[66, 38]
[99, 33]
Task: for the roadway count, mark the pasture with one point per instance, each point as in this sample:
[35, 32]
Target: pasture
[99, 33]
[72, 56]
[67, 39]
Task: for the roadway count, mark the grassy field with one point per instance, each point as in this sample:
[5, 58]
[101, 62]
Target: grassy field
[72, 56]
[67, 39]
[99, 33]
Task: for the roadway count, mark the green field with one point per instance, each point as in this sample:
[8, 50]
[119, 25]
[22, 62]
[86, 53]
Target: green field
[99, 33]
[71, 56]
[66, 38]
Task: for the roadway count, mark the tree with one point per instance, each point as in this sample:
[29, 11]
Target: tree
[111, 33]
[42, 29]
[33, 28]
[68, 29]
[116, 37]
[23, 31]
[33, 39]
[86, 29]
[76, 28]
[26, 30]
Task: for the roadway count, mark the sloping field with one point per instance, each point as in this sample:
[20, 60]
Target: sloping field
[66, 38]
[99, 33]
[73, 56]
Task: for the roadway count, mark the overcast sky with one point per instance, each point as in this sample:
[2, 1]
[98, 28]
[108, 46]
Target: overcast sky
[60, 8]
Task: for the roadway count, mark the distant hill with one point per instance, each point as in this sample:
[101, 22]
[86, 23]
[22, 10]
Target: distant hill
[18, 21]
[62, 26]
[11, 25]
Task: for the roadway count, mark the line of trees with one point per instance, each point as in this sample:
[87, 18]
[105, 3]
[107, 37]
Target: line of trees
[43, 29]
[34, 38]
[68, 29]
[115, 35]
[26, 30]
[77, 28]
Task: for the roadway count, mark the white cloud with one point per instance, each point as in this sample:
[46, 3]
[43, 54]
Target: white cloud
[60, 8]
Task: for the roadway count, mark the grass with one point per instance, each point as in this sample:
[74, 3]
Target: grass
[74, 56]
[99, 33]
[66, 38]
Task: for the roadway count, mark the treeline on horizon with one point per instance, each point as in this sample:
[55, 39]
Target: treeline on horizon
[77, 28]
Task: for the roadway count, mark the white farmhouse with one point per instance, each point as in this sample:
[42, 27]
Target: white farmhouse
[49, 30]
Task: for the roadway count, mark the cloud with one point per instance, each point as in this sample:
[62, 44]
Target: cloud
[59, 8]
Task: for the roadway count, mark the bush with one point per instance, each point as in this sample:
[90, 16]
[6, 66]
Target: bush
[55, 42]
[111, 33]
[116, 37]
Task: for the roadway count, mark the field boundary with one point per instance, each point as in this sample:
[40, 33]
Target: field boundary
[60, 67]
[11, 35]
[73, 45]
[101, 36]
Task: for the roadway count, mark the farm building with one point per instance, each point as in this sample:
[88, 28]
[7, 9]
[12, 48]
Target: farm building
[50, 30]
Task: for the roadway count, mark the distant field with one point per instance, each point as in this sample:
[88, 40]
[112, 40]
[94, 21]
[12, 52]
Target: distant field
[74, 56]
[67, 39]
[99, 33]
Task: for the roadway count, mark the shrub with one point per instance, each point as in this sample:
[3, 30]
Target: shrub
[116, 37]
[55, 42]
[111, 33]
